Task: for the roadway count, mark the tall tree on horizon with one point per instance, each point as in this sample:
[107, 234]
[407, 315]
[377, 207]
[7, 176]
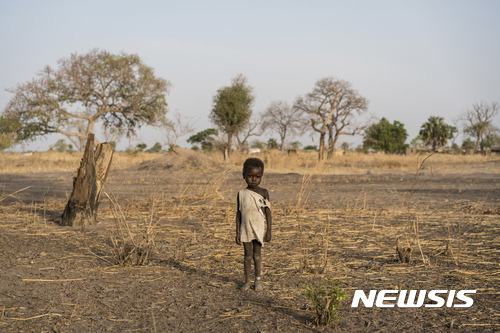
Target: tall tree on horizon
[332, 107]
[232, 109]
[117, 89]
[478, 123]
[435, 132]
[385, 136]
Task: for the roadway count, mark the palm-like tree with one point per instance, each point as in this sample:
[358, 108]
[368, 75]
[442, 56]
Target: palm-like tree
[436, 133]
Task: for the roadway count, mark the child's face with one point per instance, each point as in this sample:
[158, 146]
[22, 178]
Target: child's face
[253, 176]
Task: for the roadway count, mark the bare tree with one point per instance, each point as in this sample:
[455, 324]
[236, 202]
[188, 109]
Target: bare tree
[478, 122]
[255, 127]
[113, 134]
[333, 107]
[283, 119]
[176, 128]
[344, 120]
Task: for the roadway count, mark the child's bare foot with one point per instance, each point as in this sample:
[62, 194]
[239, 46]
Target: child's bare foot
[258, 286]
[245, 287]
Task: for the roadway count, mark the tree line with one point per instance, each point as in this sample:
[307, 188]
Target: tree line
[123, 94]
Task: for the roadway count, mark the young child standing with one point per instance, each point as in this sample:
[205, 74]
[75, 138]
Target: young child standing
[253, 219]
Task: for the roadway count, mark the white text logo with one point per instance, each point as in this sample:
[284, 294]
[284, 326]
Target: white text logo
[413, 298]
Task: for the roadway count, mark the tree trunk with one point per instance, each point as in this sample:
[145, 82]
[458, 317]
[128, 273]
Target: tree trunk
[332, 142]
[321, 153]
[82, 205]
[329, 147]
[477, 146]
[227, 151]
[283, 137]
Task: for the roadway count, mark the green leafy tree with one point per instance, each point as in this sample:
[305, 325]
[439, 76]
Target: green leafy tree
[141, 147]
[113, 145]
[344, 146]
[273, 144]
[156, 148]
[61, 146]
[435, 132]
[117, 89]
[258, 144]
[491, 140]
[385, 136]
[468, 143]
[417, 142]
[205, 139]
[7, 132]
[232, 109]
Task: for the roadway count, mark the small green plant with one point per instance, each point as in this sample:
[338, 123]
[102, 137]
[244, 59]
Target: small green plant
[325, 298]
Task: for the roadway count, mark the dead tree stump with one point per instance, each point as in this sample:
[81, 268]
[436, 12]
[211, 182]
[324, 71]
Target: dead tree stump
[404, 255]
[83, 202]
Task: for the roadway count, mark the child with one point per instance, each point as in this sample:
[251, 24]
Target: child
[253, 219]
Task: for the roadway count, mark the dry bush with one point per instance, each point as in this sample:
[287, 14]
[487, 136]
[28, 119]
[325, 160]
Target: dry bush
[307, 183]
[413, 224]
[313, 256]
[131, 248]
[212, 189]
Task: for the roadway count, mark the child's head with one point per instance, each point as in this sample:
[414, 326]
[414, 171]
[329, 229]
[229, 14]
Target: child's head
[253, 169]
[252, 162]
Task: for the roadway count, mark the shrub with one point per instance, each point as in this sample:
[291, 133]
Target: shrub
[310, 147]
[325, 298]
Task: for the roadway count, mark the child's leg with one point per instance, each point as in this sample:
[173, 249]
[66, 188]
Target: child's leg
[247, 264]
[257, 246]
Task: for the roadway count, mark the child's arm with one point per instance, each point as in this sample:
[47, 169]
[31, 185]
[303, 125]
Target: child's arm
[269, 219]
[238, 220]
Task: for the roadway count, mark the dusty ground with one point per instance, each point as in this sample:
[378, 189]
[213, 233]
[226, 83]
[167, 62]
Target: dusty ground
[58, 279]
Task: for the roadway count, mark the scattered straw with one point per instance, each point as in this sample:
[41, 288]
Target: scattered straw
[35, 317]
[58, 280]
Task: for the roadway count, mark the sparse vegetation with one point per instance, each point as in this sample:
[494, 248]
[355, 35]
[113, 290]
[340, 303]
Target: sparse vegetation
[183, 219]
[325, 299]
[131, 248]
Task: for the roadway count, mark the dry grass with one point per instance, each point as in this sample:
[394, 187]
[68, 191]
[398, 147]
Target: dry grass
[131, 247]
[352, 162]
[274, 160]
[55, 161]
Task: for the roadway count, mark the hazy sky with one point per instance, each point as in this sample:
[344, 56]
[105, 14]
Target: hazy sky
[410, 59]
